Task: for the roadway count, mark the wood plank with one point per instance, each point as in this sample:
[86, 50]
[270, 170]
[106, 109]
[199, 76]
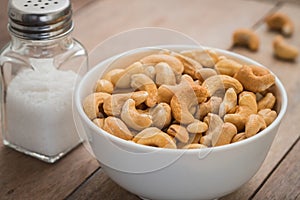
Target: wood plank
[288, 72]
[23, 177]
[209, 22]
[285, 181]
[100, 186]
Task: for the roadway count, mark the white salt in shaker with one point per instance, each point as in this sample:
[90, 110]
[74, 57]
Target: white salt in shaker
[39, 69]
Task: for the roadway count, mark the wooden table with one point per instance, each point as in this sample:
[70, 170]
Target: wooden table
[211, 23]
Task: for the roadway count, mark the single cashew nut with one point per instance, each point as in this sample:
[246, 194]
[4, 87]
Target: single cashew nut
[239, 137]
[206, 57]
[205, 73]
[190, 65]
[215, 124]
[172, 61]
[247, 106]
[194, 146]
[280, 22]
[197, 127]
[268, 115]
[92, 103]
[222, 82]
[104, 85]
[99, 122]
[161, 115]
[246, 37]
[283, 50]
[254, 124]
[211, 106]
[122, 79]
[225, 135]
[178, 132]
[143, 82]
[133, 118]
[181, 104]
[268, 101]
[195, 138]
[227, 67]
[164, 74]
[112, 105]
[154, 137]
[255, 79]
[150, 71]
[186, 98]
[111, 73]
[116, 127]
[229, 102]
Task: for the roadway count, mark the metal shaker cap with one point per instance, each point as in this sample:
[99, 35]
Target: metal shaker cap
[39, 19]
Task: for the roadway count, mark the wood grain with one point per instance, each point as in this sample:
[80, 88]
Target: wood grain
[23, 177]
[100, 186]
[288, 72]
[208, 22]
[285, 181]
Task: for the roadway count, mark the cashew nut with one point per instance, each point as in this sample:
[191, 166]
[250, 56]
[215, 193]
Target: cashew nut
[255, 79]
[227, 66]
[205, 73]
[254, 124]
[211, 106]
[268, 101]
[122, 78]
[239, 137]
[111, 73]
[164, 74]
[283, 50]
[194, 146]
[112, 105]
[190, 65]
[116, 127]
[161, 115]
[150, 71]
[247, 106]
[246, 37]
[181, 105]
[143, 82]
[280, 22]
[206, 58]
[154, 137]
[268, 115]
[222, 82]
[229, 102]
[197, 127]
[92, 102]
[225, 136]
[172, 61]
[99, 122]
[186, 98]
[133, 118]
[178, 132]
[215, 124]
[104, 85]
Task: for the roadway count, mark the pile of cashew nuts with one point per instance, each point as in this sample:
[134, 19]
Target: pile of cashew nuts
[186, 100]
[279, 22]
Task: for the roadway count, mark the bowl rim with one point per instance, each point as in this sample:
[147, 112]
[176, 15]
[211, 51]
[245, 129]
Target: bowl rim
[144, 148]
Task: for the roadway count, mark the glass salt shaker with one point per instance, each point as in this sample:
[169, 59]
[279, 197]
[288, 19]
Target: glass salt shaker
[39, 70]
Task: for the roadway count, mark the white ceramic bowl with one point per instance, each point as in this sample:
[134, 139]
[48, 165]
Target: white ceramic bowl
[155, 173]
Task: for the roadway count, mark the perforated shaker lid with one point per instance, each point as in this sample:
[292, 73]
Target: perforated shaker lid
[39, 19]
